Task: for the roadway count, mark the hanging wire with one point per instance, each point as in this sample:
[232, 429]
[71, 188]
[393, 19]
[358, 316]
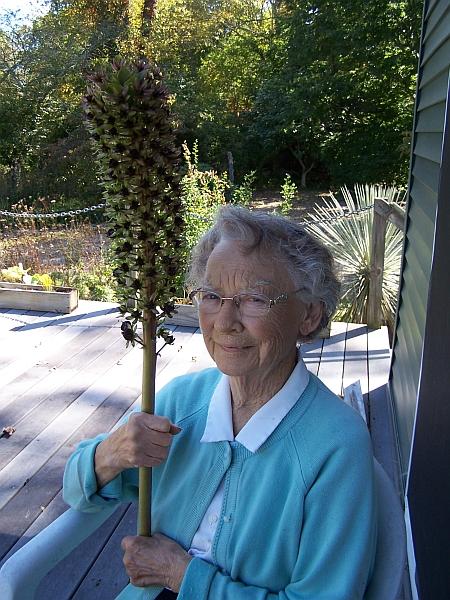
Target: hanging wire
[68, 213]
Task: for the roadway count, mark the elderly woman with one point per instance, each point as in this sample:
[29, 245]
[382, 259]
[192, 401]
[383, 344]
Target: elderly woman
[263, 478]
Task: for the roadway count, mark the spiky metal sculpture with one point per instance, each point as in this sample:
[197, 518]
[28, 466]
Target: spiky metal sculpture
[128, 114]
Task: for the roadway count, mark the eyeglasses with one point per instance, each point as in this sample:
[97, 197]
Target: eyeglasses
[249, 305]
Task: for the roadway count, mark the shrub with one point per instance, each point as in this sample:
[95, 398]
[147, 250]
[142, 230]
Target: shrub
[202, 194]
[243, 194]
[288, 193]
[93, 281]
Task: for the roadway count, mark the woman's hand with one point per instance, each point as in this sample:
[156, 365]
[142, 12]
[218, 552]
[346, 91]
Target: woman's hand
[155, 560]
[143, 441]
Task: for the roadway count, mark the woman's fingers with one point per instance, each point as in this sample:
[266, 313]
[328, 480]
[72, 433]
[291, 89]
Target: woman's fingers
[157, 423]
[143, 441]
[148, 439]
[151, 429]
[155, 560]
[161, 439]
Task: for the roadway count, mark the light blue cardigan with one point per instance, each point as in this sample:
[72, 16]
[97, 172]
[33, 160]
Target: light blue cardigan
[298, 519]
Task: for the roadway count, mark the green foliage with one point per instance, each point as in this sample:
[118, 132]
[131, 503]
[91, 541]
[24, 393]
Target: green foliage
[324, 91]
[43, 279]
[42, 72]
[203, 191]
[93, 282]
[288, 193]
[243, 194]
[13, 274]
[128, 115]
[349, 239]
[341, 93]
[202, 194]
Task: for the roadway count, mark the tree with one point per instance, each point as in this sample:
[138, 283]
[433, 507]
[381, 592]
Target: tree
[342, 91]
[42, 74]
[214, 56]
[321, 90]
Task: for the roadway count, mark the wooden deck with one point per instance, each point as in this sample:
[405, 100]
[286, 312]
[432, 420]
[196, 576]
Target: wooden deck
[68, 377]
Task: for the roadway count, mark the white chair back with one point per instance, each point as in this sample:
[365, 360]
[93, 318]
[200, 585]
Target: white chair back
[390, 559]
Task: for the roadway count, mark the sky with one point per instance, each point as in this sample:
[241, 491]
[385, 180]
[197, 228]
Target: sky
[26, 7]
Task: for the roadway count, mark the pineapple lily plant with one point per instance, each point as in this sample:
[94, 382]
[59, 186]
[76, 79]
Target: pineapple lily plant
[127, 110]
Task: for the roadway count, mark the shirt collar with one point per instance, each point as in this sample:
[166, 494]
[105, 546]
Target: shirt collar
[219, 423]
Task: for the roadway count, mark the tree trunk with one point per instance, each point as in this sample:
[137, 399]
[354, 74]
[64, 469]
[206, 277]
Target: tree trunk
[15, 175]
[148, 12]
[305, 170]
[140, 21]
[230, 167]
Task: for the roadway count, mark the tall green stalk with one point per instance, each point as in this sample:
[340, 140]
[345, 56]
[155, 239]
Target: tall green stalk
[148, 406]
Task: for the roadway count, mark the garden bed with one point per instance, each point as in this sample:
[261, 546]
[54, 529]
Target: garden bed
[35, 297]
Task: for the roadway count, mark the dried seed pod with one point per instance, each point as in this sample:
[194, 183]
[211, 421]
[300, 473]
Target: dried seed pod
[128, 115]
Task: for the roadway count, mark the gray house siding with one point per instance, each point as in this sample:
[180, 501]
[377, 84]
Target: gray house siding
[428, 488]
[419, 239]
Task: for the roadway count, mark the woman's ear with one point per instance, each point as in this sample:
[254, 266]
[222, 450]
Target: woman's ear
[312, 317]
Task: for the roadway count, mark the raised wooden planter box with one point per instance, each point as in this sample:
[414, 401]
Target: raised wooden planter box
[187, 316]
[35, 297]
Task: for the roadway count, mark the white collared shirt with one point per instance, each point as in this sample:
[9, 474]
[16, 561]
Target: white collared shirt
[219, 427]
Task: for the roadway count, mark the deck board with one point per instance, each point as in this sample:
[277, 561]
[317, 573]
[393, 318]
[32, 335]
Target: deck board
[331, 365]
[35, 346]
[311, 353]
[355, 359]
[46, 483]
[64, 378]
[87, 355]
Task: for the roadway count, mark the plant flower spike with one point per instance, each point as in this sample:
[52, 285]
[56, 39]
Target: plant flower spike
[128, 115]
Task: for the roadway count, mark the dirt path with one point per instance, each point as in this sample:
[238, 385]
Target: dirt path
[306, 200]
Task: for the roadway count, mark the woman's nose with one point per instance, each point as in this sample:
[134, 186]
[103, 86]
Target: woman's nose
[228, 317]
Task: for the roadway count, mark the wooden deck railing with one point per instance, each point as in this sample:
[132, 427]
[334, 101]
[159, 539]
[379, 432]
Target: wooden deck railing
[383, 212]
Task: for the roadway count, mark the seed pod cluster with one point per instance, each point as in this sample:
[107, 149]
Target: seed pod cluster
[127, 112]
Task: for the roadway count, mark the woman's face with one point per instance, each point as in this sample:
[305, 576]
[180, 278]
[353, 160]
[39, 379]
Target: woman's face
[253, 347]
